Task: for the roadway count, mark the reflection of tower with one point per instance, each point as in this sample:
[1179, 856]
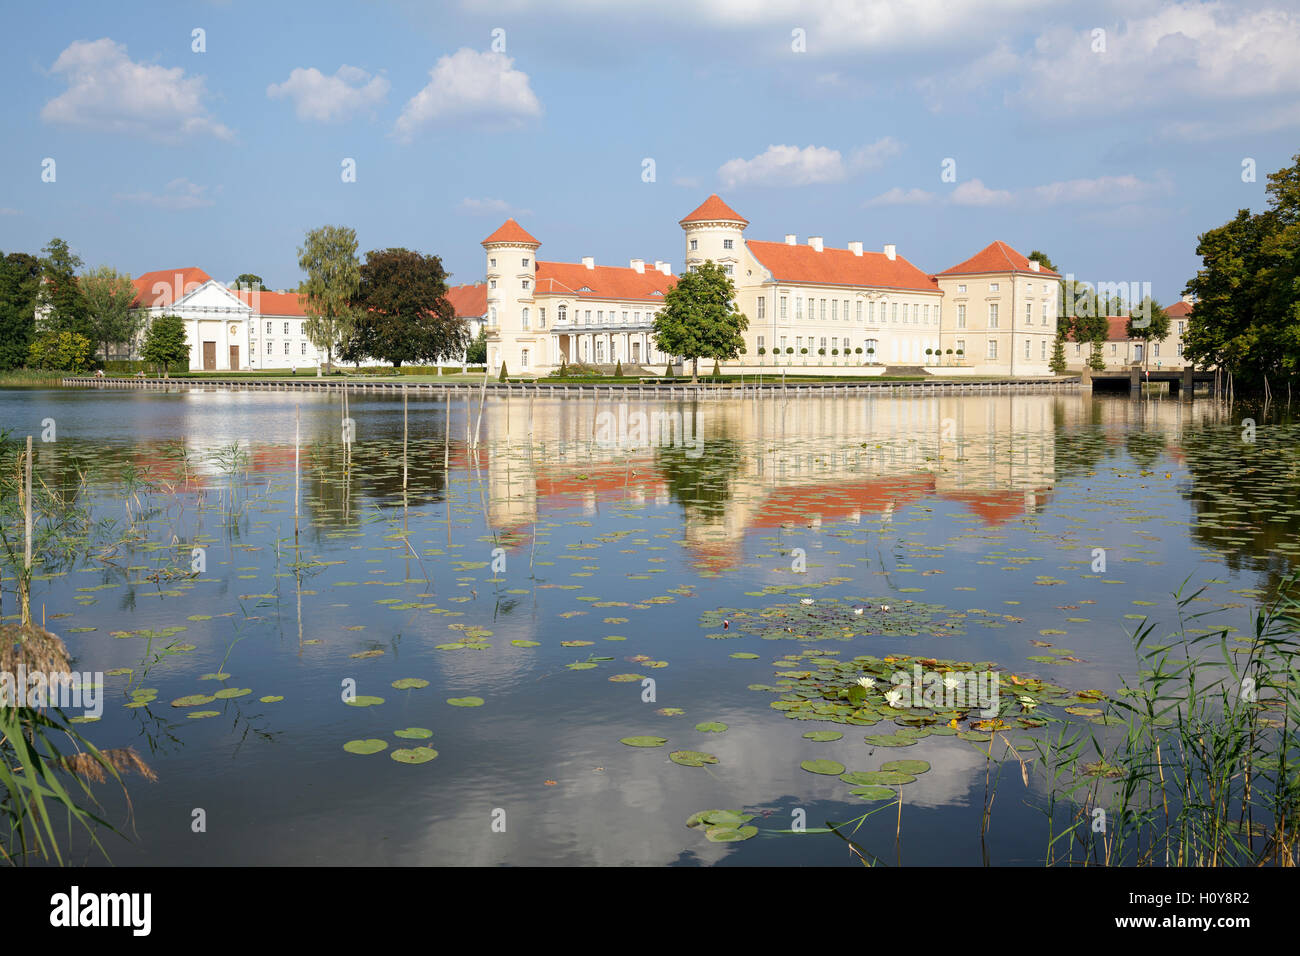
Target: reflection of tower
[512, 282]
[713, 231]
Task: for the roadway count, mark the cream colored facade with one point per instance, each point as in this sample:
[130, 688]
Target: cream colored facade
[806, 305]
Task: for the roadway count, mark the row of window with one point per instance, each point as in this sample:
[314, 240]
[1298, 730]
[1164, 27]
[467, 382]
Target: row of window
[270, 347]
[921, 314]
[1114, 348]
[270, 324]
[580, 317]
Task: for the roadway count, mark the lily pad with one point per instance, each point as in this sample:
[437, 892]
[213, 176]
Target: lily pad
[644, 741]
[906, 766]
[874, 793]
[823, 736]
[414, 755]
[829, 768]
[365, 700]
[371, 745]
[192, 700]
[465, 701]
[409, 683]
[691, 758]
[711, 727]
[413, 733]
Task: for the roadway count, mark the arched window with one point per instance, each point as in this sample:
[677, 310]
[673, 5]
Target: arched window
[562, 314]
[525, 317]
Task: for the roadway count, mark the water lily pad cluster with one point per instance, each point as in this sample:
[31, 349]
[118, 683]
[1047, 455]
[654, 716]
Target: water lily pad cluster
[833, 619]
[860, 691]
[723, 826]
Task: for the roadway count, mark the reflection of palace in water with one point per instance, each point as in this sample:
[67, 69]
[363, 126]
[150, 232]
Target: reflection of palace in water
[761, 464]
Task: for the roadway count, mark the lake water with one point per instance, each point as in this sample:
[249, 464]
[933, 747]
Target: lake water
[625, 525]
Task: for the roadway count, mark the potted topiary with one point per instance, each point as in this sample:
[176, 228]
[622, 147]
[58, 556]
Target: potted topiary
[871, 356]
[821, 354]
[960, 353]
[789, 352]
[928, 353]
[804, 353]
[835, 356]
[949, 353]
[761, 352]
[858, 351]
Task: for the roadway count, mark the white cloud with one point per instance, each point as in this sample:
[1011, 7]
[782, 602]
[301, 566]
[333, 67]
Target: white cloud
[108, 91]
[792, 166]
[900, 197]
[1104, 189]
[470, 85]
[785, 166]
[326, 99]
[179, 194]
[974, 193]
[6, 211]
[1187, 55]
[876, 154]
[495, 207]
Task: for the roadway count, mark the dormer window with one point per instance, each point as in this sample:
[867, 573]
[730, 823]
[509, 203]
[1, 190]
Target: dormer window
[656, 292]
[585, 289]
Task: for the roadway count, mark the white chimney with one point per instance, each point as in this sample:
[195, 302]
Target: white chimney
[589, 262]
[638, 265]
[891, 251]
[1187, 297]
[815, 242]
[791, 239]
[855, 248]
[665, 267]
[1034, 265]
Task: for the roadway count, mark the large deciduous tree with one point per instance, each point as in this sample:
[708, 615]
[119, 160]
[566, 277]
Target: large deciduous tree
[1148, 323]
[165, 342]
[401, 312]
[700, 318]
[329, 257]
[253, 283]
[61, 296]
[1247, 313]
[108, 296]
[20, 282]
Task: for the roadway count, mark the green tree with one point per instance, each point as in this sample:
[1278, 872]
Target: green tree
[109, 295]
[476, 353]
[329, 257]
[1148, 323]
[700, 318]
[165, 342]
[401, 312]
[20, 283]
[61, 296]
[1042, 259]
[1058, 352]
[249, 281]
[60, 351]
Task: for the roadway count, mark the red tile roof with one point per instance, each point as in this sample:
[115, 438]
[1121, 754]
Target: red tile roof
[1116, 329]
[469, 301]
[603, 282]
[840, 267]
[1179, 310]
[996, 257]
[511, 231]
[273, 303]
[162, 288]
[714, 208]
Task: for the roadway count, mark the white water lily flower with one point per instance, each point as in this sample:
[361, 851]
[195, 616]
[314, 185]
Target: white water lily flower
[805, 600]
[884, 607]
[867, 682]
[951, 681]
[857, 610]
[894, 698]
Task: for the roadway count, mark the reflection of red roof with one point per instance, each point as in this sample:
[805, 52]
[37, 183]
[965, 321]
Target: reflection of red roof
[839, 500]
[602, 480]
[992, 507]
[511, 231]
[162, 288]
[997, 257]
[839, 267]
[469, 301]
[713, 209]
[603, 282]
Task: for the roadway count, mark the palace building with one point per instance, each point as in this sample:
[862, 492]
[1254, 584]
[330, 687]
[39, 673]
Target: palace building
[809, 305]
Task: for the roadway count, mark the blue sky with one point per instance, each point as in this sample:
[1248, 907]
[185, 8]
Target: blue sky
[1111, 151]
